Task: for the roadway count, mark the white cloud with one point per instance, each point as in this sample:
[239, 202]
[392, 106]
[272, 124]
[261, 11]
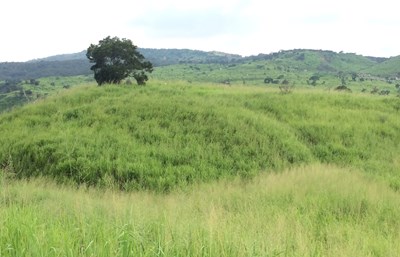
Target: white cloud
[33, 29]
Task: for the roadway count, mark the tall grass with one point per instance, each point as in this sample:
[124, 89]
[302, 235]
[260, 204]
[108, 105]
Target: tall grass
[316, 210]
[164, 136]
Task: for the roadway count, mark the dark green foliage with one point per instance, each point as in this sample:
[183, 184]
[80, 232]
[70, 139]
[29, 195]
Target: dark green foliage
[313, 80]
[39, 69]
[10, 86]
[164, 57]
[342, 76]
[285, 82]
[301, 57]
[343, 88]
[268, 80]
[33, 82]
[115, 59]
[354, 76]
[384, 92]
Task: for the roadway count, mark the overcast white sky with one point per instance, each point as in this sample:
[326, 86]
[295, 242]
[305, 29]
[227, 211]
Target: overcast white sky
[40, 28]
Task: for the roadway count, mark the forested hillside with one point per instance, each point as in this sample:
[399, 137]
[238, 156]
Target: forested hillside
[39, 69]
[295, 60]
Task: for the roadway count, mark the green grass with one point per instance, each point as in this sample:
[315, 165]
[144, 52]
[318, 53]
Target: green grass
[388, 68]
[198, 168]
[254, 73]
[28, 92]
[249, 171]
[316, 210]
[160, 137]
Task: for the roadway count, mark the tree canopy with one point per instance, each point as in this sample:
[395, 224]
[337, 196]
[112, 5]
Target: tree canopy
[115, 59]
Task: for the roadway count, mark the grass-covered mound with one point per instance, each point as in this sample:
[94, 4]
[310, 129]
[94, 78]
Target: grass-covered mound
[160, 136]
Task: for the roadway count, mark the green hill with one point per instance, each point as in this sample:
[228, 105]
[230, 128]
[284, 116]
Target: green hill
[62, 57]
[16, 71]
[162, 57]
[388, 68]
[318, 60]
[161, 137]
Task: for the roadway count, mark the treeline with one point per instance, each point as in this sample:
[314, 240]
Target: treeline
[33, 70]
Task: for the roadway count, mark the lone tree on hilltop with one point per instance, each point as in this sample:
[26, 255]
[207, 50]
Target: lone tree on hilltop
[115, 59]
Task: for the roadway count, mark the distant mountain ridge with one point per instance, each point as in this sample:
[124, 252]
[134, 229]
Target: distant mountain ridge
[297, 59]
[161, 57]
[40, 69]
[62, 57]
[77, 63]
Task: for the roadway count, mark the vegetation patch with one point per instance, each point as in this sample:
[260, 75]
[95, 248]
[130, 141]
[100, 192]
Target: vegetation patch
[161, 137]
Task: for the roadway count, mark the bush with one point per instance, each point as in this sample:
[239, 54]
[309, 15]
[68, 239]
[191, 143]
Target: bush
[343, 88]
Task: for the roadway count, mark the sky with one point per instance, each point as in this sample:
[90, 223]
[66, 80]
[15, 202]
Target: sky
[36, 29]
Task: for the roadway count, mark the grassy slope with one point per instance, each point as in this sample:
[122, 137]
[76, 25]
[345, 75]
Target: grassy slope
[160, 137]
[323, 61]
[309, 211]
[390, 68]
[287, 67]
[47, 86]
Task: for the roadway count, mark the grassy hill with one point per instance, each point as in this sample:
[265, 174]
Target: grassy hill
[162, 57]
[161, 137]
[249, 171]
[212, 158]
[388, 68]
[318, 60]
